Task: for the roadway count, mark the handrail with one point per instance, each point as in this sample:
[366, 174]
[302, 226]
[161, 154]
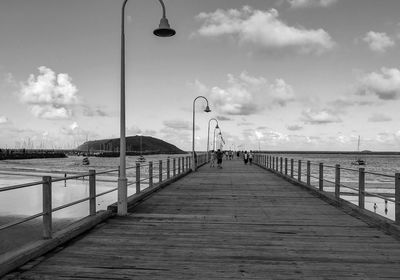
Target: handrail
[294, 170]
[183, 165]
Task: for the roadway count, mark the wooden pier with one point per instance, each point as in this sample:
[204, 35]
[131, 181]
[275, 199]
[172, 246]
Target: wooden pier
[239, 222]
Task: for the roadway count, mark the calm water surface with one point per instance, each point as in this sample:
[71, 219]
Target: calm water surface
[28, 201]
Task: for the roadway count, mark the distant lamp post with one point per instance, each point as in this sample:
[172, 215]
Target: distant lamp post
[216, 127]
[208, 136]
[164, 30]
[207, 110]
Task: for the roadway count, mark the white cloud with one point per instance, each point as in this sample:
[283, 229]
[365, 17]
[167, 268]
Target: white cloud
[3, 120]
[264, 29]
[378, 42]
[247, 95]
[74, 126]
[378, 117]
[319, 116]
[179, 125]
[310, 3]
[281, 92]
[294, 127]
[385, 84]
[50, 95]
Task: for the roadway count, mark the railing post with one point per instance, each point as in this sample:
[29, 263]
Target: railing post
[273, 163]
[361, 188]
[321, 176]
[174, 167]
[308, 172]
[150, 174]
[277, 164]
[92, 192]
[299, 171]
[179, 165]
[286, 166]
[137, 177]
[281, 163]
[160, 171]
[337, 181]
[47, 208]
[168, 169]
[291, 167]
[397, 198]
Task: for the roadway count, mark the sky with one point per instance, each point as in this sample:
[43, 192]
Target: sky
[305, 75]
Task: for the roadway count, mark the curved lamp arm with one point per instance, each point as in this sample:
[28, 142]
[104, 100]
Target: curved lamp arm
[206, 110]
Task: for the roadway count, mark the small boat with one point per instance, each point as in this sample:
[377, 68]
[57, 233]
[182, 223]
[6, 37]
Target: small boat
[358, 161]
[85, 161]
[140, 159]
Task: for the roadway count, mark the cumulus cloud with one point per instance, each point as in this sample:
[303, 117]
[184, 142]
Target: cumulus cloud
[93, 112]
[319, 116]
[310, 3]
[246, 94]
[179, 125]
[263, 29]
[378, 41]
[50, 95]
[223, 118]
[378, 117]
[3, 120]
[385, 84]
[294, 127]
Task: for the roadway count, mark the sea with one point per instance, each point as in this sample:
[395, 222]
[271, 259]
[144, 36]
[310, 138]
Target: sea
[24, 202]
[28, 201]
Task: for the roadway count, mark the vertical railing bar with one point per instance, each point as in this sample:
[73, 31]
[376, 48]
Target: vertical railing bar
[137, 177]
[160, 171]
[337, 181]
[299, 171]
[397, 198]
[321, 176]
[308, 173]
[92, 192]
[361, 188]
[150, 174]
[47, 208]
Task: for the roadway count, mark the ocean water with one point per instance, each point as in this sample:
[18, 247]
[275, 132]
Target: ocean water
[28, 201]
[388, 165]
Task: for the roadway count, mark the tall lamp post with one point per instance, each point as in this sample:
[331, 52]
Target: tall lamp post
[164, 30]
[216, 127]
[208, 136]
[207, 110]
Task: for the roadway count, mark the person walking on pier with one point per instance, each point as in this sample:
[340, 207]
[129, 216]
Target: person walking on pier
[250, 157]
[245, 157]
[220, 155]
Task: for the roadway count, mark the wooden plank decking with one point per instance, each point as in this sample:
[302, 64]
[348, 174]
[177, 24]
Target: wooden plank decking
[239, 222]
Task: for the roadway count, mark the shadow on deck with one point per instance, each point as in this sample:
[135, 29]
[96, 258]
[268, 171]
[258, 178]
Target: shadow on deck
[239, 222]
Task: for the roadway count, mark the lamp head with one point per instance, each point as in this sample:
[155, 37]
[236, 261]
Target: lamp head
[217, 127]
[164, 30]
[207, 110]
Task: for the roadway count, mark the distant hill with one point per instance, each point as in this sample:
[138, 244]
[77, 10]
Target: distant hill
[150, 145]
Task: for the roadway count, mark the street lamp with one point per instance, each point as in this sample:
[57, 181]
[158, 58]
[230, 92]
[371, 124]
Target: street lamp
[216, 127]
[164, 30]
[207, 110]
[208, 136]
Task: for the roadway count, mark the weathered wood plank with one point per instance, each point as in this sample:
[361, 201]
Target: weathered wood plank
[240, 222]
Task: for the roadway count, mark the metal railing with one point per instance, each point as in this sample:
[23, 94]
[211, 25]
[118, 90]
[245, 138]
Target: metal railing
[157, 172]
[320, 176]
